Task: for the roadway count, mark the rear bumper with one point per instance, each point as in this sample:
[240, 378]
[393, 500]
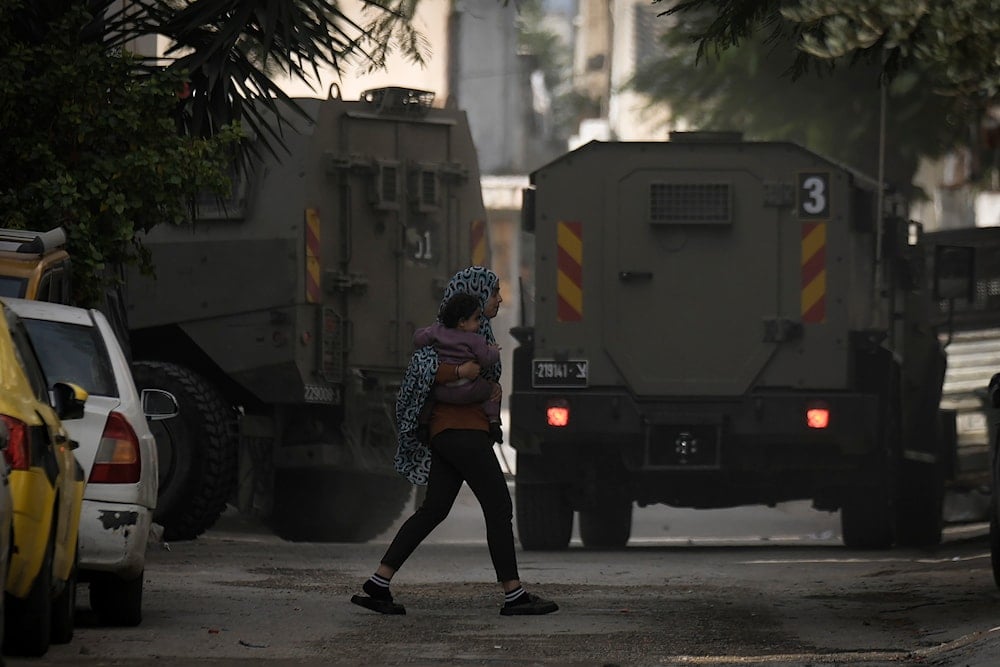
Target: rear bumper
[113, 537]
[701, 453]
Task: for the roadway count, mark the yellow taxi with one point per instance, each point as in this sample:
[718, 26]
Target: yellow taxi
[46, 488]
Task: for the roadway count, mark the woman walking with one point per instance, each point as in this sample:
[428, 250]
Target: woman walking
[460, 450]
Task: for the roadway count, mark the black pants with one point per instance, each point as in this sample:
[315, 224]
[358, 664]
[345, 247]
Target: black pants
[462, 456]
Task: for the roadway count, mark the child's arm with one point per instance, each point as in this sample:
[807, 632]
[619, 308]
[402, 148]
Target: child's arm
[423, 337]
[486, 353]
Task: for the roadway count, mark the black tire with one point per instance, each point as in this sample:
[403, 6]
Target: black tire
[336, 506]
[197, 450]
[920, 505]
[995, 515]
[866, 520]
[116, 601]
[64, 608]
[994, 537]
[3, 594]
[608, 526]
[544, 516]
[919, 502]
[28, 622]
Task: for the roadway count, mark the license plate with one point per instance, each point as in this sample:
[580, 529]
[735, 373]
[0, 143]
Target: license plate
[550, 373]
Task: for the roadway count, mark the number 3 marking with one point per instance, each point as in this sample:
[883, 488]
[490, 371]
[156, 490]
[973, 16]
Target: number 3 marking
[814, 195]
[816, 188]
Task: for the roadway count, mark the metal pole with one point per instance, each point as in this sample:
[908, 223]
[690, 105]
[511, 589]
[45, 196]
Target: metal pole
[880, 196]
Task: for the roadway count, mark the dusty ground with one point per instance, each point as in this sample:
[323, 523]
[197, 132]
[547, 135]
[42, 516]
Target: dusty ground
[239, 595]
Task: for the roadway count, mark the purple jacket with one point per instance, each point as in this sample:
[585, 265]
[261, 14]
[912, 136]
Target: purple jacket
[455, 346]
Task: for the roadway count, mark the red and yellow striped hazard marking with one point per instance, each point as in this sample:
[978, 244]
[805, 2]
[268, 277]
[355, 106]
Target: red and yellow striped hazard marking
[478, 246]
[814, 272]
[569, 276]
[312, 256]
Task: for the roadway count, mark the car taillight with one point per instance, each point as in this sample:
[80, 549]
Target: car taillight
[557, 413]
[117, 460]
[18, 452]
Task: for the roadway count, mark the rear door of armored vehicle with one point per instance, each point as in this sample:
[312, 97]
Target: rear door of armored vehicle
[705, 279]
[406, 220]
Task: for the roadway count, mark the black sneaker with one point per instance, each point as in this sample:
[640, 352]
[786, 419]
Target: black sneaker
[381, 606]
[528, 605]
[496, 432]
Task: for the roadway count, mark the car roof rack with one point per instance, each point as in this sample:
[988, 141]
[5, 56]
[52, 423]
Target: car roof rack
[395, 99]
[32, 242]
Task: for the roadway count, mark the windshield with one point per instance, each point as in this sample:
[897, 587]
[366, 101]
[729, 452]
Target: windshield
[73, 353]
[10, 286]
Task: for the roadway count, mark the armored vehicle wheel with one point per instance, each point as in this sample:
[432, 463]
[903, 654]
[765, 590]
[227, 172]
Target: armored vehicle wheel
[920, 505]
[995, 539]
[544, 517]
[995, 520]
[865, 519]
[336, 506]
[608, 526]
[196, 450]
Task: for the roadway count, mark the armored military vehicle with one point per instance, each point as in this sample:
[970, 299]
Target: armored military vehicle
[715, 323]
[282, 320]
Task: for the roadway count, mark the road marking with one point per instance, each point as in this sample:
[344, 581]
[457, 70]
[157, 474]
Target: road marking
[814, 561]
[845, 657]
[959, 531]
[724, 541]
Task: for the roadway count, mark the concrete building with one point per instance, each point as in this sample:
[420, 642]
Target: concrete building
[614, 38]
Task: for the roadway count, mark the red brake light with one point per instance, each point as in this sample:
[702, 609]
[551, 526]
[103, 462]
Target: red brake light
[818, 417]
[557, 413]
[117, 460]
[18, 452]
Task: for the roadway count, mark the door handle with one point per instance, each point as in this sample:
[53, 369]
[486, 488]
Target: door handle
[632, 276]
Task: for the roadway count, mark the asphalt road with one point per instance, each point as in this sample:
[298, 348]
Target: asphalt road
[742, 586]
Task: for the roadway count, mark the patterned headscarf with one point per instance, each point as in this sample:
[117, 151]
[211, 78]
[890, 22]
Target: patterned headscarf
[413, 459]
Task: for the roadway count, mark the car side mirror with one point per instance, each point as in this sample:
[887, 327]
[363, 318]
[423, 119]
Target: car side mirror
[158, 404]
[68, 399]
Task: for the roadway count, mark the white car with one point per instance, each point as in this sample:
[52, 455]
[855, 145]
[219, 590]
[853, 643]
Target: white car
[116, 450]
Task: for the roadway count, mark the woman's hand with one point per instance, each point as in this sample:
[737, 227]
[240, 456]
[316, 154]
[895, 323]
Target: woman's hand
[469, 370]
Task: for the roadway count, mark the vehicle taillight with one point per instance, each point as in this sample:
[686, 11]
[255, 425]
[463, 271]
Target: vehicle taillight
[557, 413]
[18, 452]
[117, 460]
[817, 417]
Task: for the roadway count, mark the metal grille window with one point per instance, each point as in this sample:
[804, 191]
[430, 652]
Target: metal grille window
[389, 187]
[428, 188]
[422, 188]
[690, 203]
